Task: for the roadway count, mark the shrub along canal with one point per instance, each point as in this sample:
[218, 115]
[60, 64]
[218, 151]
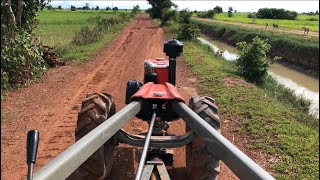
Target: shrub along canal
[302, 84]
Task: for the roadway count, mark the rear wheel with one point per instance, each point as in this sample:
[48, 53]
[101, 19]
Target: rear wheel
[201, 161]
[96, 108]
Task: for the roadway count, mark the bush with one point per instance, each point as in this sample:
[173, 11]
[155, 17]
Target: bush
[168, 15]
[73, 8]
[87, 35]
[188, 31]
[250, 15]
[274, 13]
[252, 63]
[206, 14]
[21, 58]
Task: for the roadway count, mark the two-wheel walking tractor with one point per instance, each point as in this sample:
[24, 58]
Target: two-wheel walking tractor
[157, 101]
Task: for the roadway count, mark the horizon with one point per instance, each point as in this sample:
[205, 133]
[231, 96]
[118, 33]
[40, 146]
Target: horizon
[239, 6]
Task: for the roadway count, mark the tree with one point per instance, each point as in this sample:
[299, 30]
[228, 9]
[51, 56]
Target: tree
[97, 8]
[135, 10]
[86, 7]
[59, 7]
[21, 13]
[73, 8]
[218, 9]
[230, 9]
[158, 7]
[108, 8]
[167, 15]
[115, 9]
[274, 13]
[317, 12]
[49, 7]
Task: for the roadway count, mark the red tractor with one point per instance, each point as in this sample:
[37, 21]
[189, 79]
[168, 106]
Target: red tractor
[158, 102]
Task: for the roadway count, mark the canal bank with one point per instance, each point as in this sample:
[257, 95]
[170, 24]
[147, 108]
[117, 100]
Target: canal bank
[297, 51]
[301, 84]
[254, 118]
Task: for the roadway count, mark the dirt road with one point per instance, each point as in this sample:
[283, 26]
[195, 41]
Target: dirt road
[280, 30]
[51, 105]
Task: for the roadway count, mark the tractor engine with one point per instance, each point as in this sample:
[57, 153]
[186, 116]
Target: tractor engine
[156, 71]
[158, 91]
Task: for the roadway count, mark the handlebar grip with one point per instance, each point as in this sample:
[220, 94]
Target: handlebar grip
[32, 146]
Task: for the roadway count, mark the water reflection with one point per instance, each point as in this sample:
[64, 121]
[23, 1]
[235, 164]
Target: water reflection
[301, 84]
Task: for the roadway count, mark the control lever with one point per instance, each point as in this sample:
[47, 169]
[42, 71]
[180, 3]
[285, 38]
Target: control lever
[32, 148]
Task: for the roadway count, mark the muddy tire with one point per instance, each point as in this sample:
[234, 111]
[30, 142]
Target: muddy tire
[96, 108]
[201, 161]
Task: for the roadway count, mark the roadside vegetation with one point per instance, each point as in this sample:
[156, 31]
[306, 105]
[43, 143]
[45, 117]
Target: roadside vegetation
[76, 35]
[271, 115]
[41, 38]
[277, 127]
[21, 52]
[297, 51]
[302, 20]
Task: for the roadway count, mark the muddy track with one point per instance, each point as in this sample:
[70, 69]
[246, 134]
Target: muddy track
[51, 105]
[311, 34]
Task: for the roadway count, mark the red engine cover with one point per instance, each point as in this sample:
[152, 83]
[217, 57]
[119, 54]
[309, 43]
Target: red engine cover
[161, 67]
[158, 91]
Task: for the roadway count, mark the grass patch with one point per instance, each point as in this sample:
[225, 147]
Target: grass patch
[295, 50]
[2, 116]
[309, 21]
[57, 29]
[273, 124]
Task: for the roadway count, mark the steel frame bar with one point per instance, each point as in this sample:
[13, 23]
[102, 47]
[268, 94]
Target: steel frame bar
[156, 141]
[145, 148]
[236, 160]
[70, 159]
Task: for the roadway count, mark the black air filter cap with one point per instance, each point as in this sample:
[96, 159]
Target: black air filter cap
[173, 48]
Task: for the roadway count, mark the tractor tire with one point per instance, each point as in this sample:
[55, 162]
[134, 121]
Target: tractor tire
[201, 161]
[96, 109]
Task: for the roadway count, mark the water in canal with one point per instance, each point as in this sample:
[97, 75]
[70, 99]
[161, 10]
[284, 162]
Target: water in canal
[301, 84]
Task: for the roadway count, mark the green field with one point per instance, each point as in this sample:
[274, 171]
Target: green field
[309, 21]
[57, 29]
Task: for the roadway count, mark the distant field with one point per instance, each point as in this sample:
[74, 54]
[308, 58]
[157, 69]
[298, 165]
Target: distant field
[56, 28]
[309, 21]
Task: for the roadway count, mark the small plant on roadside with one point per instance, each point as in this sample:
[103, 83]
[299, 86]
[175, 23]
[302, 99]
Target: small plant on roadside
[252, 63]
[187, 30]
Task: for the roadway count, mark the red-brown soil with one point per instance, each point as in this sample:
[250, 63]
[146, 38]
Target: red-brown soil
[51, 104]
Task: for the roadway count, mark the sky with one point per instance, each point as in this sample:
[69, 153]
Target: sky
[240, 6]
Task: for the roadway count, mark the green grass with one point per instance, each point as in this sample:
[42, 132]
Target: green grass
[301, 21]
[57, 28]
[274, 125]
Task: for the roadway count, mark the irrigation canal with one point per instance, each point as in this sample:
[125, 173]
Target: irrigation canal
[302, 84]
